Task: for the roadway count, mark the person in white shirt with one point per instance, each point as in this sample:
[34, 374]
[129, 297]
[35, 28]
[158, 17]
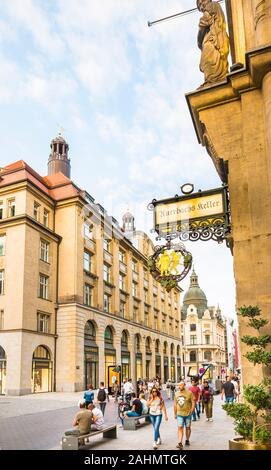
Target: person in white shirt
[128, 388]
[97, 418]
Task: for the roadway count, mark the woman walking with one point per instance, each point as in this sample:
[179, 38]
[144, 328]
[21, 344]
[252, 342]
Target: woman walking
[207, 398]
[157, 407]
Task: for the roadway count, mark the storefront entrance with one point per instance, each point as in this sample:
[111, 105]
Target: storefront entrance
[91, 355]
[166, 375]
[41, 371]
[3, 371]
[139, 368]
[158, 365]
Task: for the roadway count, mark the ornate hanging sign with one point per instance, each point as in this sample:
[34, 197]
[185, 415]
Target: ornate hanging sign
[199, 216]
[170, 264]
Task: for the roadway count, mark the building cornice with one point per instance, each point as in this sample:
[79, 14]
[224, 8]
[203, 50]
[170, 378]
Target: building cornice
[26, 219]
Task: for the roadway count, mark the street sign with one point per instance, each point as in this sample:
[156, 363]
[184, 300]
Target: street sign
[199, 216]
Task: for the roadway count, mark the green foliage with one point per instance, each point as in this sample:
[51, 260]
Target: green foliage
[259, 357]
[262, 341]
[252, 420]
[169, 284]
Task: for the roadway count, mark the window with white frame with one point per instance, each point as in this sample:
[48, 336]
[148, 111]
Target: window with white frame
[2, 244]
[11, 208]
[107, 272]
[43, 286]
[106, 303]
[44, 251]
[43, 323]
[88, 230]
[134, 266]
[107, 245]
[122, 308]
[46, 218]
[121, 281]
[36, 211]
[87, 261]
[122, 256]
[134, 289]
[88, 295]
[2, 282]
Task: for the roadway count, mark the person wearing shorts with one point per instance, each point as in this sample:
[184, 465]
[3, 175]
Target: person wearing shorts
[184, 407]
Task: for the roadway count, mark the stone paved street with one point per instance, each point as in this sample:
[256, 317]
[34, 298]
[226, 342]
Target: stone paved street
[38, 421]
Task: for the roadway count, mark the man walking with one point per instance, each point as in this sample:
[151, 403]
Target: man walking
[228, 391]
[197, 394]
[184, 407]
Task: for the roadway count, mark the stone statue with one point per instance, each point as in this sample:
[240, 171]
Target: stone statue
[213, 42]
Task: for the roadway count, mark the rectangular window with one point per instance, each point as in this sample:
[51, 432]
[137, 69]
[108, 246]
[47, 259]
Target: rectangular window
[43, 287]
[134, 289]
[88, 295]
[2, 245]
[36, 211]
[207, 339]
[2, 282]
[107, 245]
[106, 273]
[122, 309]
[147, 319]
[44, 251]
[46, 218]
[193, 327]
[193, 339]
[122, 282]
[43, 323]
[122, 256]
[136, 318]
[11, 208]
[154, 301]
[1, 319]
[1, 210]
[88, 230]
[134, 266]
[163, 307]
[145, 296]
[156, 323]
[87, 261]
[106, 303]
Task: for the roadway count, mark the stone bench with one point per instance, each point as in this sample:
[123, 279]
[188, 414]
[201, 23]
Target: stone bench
[132, 423]
[73, 442]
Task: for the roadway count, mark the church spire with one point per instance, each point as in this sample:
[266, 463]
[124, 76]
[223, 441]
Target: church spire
[194, 278]
[58, 158]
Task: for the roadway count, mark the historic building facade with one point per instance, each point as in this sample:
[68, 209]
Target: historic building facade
[232, 119]
[204, 333]
[76, 298]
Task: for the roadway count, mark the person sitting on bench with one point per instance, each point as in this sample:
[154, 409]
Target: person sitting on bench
[82, 422]
[97, 418]
[136, 410]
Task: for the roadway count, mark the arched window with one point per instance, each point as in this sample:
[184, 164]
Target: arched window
[165, 349]
[157, 346]
[207, 355]
[2, 353]
[137, 343]
[41, 353]
[148, 344]
[178, 350]
[90, 332]
[193, 356]
[124, 339]
[108, 335]
[172, 350]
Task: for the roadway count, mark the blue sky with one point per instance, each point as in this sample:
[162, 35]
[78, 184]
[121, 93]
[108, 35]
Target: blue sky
[118, 89]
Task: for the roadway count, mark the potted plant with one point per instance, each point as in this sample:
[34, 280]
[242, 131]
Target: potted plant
[252, 419]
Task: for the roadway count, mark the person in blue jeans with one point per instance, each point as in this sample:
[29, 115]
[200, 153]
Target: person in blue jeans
[157, 407]
[89, 395]
[228, 391]
[136, 408]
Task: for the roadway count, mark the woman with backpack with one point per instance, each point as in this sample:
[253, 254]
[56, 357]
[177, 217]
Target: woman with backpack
[207, 394]
[157, 407]
[102, 397]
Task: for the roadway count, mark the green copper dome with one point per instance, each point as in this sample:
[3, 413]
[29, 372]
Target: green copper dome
[195, 295]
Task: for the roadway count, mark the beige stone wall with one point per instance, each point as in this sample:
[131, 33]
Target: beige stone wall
[70, 372]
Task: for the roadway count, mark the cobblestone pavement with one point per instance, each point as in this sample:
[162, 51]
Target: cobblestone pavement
[38, 421]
